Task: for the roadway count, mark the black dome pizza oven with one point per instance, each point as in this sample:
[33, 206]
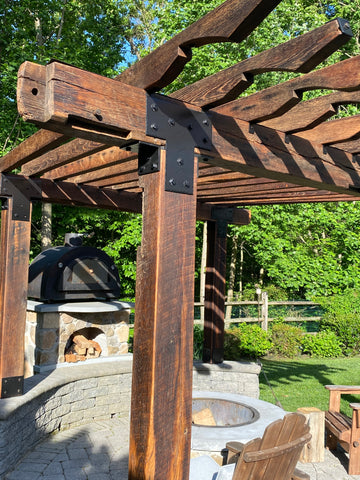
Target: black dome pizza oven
[73, 272]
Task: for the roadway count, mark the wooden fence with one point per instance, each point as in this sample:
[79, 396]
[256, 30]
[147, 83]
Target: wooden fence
[264, 311]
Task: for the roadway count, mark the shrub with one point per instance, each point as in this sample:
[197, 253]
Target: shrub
[342, 316]
[246, 340]
[198, 342]
[324, 344]
[286, 339]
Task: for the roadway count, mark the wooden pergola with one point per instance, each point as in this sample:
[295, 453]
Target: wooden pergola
[197, 154]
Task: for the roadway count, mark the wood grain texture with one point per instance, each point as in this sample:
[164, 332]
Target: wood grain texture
[277, 100]
[333, 131]
[215, 279]
[232, 21]
[300, 54]
[160, 430]
[14, 262]
[39, 143]
[309, 114]
[61, 155]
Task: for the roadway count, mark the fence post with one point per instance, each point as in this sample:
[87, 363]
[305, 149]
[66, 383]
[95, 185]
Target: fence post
[264, 310]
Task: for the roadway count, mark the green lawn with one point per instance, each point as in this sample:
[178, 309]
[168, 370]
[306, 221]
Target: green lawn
[300, 382]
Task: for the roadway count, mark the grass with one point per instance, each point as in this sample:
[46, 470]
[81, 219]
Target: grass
[300, 382]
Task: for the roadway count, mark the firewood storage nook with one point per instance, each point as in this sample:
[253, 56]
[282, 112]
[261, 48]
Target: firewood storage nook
[199, 153]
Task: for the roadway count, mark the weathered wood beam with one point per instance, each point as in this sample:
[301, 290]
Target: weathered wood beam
[106, 158]
[34, 146]
[123, 168]
[232, 21]
[274, 101]
[160, 426]
[334, 131]
[61, 155]
[215, 279]
[14, 262]
[300, 54]
[266, 154]
[308, 114]
[352, 147]
[243, 190]
[67, 193]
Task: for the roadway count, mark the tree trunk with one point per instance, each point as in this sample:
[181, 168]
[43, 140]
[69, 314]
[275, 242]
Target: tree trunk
[230, 291]
[46, 226]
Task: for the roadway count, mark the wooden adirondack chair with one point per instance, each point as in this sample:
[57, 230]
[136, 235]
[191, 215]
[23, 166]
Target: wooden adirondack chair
[272, 457]
[342, 429]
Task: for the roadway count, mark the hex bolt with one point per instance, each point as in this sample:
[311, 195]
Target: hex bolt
[186, 184]
[98, 114]
[206, 122]
[171, 122]
[180, 162]
[154, 107]
[172, 181]
[154, 126]
[154, 166]
[60, 264]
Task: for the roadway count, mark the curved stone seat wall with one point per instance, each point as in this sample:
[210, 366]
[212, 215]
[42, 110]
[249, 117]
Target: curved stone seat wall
[74, 394]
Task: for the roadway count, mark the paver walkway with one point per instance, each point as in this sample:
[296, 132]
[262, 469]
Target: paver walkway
[99, 451]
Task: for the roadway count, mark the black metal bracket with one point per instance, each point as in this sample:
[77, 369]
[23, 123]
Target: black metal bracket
[223, 216]
[21, 190]
[12, 387]
[183, 129]
[149, 158]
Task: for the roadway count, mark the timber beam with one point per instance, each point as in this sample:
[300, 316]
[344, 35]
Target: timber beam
[117, 113]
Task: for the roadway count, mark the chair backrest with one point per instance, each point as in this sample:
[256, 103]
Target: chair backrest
[275, 455]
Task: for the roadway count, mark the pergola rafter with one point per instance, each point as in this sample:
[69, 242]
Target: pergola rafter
[198, 153]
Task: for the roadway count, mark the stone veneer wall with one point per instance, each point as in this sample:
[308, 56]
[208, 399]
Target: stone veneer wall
[67, 397]
[76, 394]
[230, 377]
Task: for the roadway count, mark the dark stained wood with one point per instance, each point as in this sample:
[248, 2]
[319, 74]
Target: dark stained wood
[39, 143]
[160, 428]
[352, 146]
[91, 163]
[14, 261]
[300, 54]
[126, 164]
[311, 113]
[232, 21]
[274, 101]
[215, 279]
[73, 94]
[334, 131]
[62, 155]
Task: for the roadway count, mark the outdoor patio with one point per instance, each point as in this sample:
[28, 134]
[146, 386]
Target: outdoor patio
[99, 451]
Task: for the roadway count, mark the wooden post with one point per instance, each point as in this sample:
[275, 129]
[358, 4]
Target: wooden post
[160, 429]
[314, 450]
[264, 310]
[215, 293]
[14, 264]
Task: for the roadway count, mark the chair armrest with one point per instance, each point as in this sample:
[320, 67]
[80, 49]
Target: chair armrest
[234, 449]
[343, 389]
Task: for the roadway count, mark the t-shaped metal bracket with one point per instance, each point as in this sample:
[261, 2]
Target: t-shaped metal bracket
[21, 190]
[183, 129]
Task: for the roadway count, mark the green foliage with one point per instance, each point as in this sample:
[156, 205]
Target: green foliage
[198, 342]
[246, 340]
[324, 344]
[342, 316]
[286, 339]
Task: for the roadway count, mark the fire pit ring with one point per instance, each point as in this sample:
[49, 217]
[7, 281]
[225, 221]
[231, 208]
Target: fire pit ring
[207, 439]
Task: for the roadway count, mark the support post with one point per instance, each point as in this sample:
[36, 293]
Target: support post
[160, 427]
[14, 263]
[214, 321]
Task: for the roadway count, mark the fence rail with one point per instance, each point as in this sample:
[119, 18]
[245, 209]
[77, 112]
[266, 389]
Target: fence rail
[265, 311]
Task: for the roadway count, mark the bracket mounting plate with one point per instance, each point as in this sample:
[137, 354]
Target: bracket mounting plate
[183, 129]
